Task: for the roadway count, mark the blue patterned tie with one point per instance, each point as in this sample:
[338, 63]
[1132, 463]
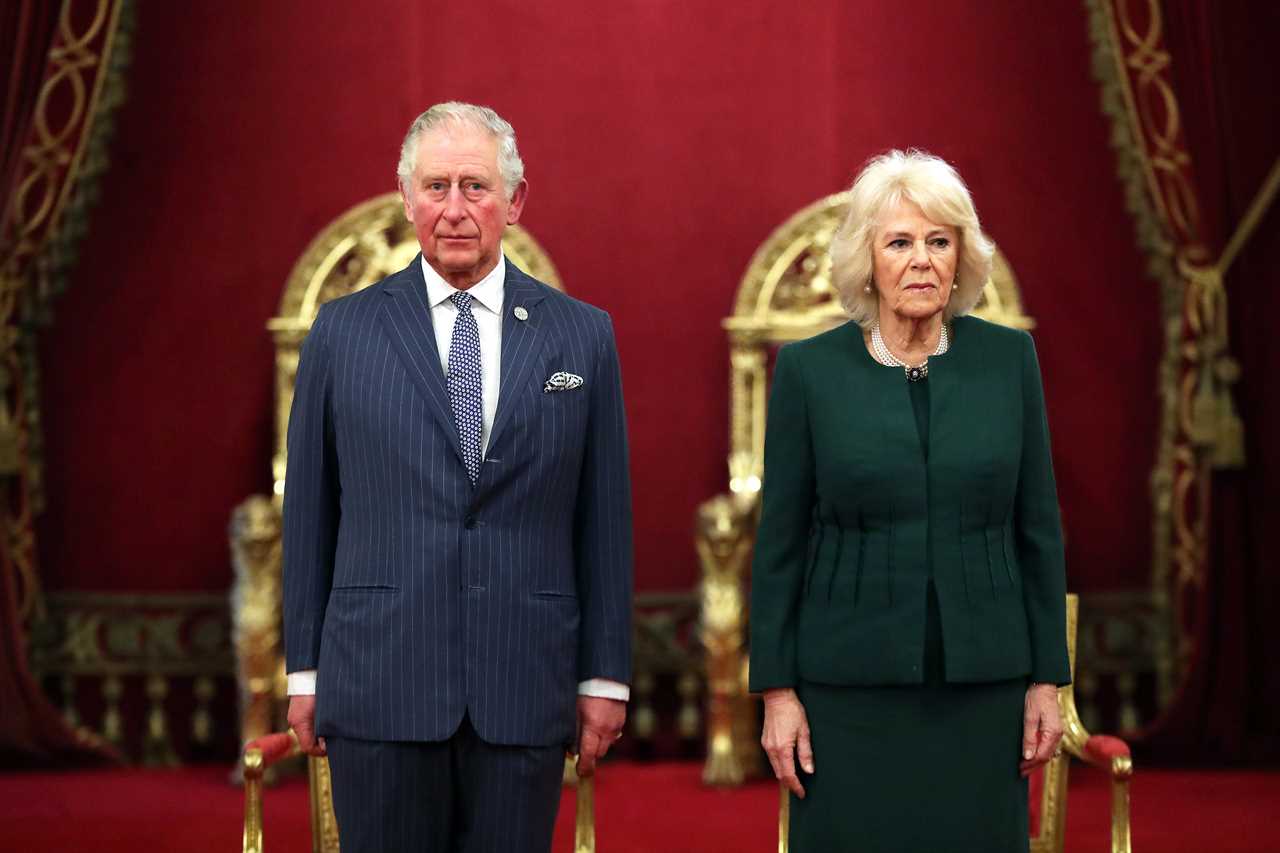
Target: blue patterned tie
[464, 383]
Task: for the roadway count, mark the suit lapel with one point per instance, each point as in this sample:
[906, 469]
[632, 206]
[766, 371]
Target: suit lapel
[522, 341]
[407, 319]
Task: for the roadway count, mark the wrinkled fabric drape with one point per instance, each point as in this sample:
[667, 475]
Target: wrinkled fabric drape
[1226, 78]
[32, 732]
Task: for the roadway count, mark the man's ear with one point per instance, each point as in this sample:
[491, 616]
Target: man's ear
[404, 197]
[516, 206]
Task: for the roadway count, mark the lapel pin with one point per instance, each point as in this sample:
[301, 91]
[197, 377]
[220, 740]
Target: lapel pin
[521, 313]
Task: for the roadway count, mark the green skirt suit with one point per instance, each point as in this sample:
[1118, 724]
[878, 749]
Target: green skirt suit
[908, 583]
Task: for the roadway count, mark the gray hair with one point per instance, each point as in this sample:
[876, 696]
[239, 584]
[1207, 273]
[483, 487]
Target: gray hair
[937, 189]
[458, 114]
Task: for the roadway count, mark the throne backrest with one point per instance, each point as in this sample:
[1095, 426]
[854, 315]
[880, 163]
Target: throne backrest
[362, 246]
[787, 295]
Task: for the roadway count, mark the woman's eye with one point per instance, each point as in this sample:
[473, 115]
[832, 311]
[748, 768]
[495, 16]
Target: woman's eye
[900, 243]
[941, 242]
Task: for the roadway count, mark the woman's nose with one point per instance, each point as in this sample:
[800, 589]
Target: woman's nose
[920, 256]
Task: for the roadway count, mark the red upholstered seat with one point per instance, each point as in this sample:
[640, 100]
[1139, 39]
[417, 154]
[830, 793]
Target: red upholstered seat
[1100, 749]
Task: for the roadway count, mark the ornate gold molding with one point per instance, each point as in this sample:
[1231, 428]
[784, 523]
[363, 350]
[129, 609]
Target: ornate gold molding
[101, 650]
[1199, 427]
[47, 214]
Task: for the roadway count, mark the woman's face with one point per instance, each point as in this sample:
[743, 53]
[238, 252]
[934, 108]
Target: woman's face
[913, 261]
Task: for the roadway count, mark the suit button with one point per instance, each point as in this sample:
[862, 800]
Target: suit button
[470, 523]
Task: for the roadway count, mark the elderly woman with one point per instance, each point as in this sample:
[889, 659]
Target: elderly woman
[907, 607]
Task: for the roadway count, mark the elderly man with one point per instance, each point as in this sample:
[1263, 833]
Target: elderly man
[457, 523]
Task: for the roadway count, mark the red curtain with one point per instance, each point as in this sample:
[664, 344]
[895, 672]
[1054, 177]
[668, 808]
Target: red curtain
[1226, 77]
[32, 732]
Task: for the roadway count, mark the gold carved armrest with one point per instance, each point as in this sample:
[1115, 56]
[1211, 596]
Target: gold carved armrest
[1106, 752]
[726, 528]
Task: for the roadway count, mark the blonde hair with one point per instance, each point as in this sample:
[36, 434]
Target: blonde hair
[937, 189]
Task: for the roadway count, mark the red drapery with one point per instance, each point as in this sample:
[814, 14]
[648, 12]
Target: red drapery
[1225, 77]
[32, 732]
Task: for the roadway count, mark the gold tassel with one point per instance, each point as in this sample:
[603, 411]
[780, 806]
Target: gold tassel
[1204, 413]
[1228, 446]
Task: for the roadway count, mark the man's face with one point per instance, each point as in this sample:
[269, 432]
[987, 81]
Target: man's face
[458, 204]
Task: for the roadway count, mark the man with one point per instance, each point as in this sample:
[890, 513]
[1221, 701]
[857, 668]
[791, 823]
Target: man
[457, 523]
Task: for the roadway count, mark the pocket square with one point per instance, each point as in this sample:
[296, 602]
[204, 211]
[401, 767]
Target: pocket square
[561, 381]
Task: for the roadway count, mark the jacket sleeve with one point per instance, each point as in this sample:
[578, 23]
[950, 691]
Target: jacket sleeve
[311, 501]
[602, 521]
[1038, 533]
[782, 540]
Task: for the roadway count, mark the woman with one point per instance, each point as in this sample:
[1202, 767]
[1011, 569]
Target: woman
[908, 596]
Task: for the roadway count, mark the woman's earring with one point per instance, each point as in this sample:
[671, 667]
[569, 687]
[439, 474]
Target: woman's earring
[867, 287]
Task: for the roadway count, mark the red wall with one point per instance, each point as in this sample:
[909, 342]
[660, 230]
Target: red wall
[663, 141]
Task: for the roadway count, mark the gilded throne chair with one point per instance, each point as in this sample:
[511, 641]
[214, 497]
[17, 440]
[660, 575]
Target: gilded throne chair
[359, 248]
[787, 295]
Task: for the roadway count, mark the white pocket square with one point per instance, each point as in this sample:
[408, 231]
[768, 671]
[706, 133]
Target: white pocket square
[561, 381]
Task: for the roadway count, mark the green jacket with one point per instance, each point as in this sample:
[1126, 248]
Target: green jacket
[854, 520]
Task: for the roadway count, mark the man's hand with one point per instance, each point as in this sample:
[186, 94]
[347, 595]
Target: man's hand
[600, 723]
[786, 737]
[302, 718]
[1041, 727]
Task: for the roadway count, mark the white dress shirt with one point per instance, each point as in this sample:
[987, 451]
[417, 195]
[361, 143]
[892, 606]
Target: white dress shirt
[486, 306]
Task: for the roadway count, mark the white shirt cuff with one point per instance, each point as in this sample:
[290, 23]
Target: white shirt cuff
[302, 682]
[603, 688]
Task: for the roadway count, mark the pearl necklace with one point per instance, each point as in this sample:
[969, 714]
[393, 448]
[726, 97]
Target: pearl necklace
[887, 358]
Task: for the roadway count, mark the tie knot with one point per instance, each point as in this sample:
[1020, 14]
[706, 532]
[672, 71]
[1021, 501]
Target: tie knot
[462, 300]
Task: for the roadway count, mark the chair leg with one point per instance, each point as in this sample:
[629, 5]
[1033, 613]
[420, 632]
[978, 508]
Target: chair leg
[784, 818]
[1121, 771]
[253, 801]
[584, 830]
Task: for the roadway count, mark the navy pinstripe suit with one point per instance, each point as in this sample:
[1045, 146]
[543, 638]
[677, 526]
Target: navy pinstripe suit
[418, 597]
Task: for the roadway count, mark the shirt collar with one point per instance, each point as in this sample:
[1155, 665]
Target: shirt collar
[487, 291]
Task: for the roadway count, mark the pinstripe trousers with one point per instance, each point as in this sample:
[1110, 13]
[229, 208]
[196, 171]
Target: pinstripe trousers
[471, 796]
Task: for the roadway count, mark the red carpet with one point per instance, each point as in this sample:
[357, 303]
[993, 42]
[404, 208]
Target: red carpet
[640, 808]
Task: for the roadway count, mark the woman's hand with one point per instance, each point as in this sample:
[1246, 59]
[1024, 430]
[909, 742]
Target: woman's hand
[786, 733]
[1041, 727]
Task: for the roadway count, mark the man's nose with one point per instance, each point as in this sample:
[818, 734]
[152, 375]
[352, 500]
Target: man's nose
[455, 207]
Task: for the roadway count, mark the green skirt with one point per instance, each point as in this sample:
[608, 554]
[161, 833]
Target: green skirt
[926, 768]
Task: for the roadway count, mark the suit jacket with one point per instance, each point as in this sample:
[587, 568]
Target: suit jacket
[855, 521]
[419, 597]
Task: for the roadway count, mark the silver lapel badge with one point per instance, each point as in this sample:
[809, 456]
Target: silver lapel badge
[521, 313]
